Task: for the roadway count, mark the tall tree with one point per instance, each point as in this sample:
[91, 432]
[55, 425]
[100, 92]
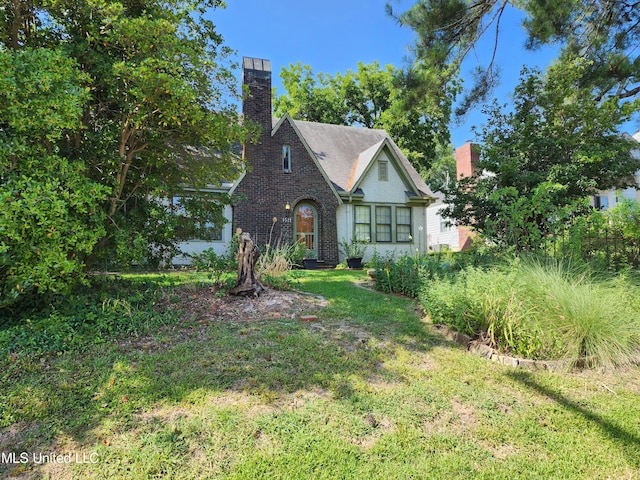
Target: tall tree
[542, 158]
[368, 97]
[311, 98]
[604, 32]
[151, 118]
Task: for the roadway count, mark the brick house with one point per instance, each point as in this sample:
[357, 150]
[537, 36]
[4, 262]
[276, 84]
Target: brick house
[321, 184]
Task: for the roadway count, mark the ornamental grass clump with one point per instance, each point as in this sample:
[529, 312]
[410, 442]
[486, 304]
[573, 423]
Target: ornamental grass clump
[542, 310]
[507, 321]
[595, 320]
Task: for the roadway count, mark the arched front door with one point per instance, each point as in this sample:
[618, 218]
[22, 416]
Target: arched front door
[306, 226]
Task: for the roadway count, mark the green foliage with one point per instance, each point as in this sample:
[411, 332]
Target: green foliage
[50, 216]
[541, 310]
[605, 34]
[408, 274]
[308, 98]
[447, 301]
[607, 240]
[94, 314]
[486, 303]
[47, 228]
[528, 308]
[443, 169]
[353, 248]
[624, 223]
[542, 160]
[596, 321]
[217, 265]
[130, 95]
[626, 217]
[368, 97]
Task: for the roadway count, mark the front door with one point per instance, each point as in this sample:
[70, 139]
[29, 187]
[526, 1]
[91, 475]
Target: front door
[306, 227]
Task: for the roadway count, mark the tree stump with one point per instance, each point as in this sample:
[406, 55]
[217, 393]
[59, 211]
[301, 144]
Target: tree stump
[247, 283]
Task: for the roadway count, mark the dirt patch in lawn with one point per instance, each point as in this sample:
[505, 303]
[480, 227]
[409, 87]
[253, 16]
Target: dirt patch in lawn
[210, 304]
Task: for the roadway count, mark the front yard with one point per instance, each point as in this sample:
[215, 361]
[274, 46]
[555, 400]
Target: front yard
[368, 390]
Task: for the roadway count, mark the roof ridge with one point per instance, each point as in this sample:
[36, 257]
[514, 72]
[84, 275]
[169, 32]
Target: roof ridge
[339, 125]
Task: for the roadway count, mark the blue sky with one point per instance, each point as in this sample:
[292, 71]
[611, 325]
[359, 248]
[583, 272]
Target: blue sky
[332, 36]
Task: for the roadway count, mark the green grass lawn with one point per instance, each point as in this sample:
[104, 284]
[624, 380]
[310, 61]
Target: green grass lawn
[367, 391]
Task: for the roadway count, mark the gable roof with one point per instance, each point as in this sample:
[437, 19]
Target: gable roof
[345, 153]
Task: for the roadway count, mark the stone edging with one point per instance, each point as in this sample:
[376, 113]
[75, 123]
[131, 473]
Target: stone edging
[485, 351]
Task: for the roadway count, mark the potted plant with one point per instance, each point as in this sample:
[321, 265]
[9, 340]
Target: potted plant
[310, 260]
[354, 251]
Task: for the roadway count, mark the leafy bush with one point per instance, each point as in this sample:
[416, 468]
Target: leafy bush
[447, 302]
[354, 248]
[607, 240]
[483, 303]
[407, 274]
[50, 211]
[217, 265]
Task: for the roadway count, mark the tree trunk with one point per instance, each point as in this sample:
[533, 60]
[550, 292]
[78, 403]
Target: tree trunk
[247, 283]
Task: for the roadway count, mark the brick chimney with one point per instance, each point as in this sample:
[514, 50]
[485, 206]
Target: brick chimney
[256, 75]
[467, 157]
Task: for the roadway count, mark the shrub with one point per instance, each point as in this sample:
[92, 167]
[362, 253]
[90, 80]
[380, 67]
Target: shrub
[504, 318]
[217, 265]
[409, 273]
[480, 303]
[447, 303]
[354, 248]
[486, 304]
[48, 225]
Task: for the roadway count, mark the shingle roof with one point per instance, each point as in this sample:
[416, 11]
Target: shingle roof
[345, 152]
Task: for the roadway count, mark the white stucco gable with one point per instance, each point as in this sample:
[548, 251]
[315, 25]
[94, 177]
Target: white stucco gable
[388, 186]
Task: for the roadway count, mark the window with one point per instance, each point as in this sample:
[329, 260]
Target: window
[601, 202]
[392, 223]
[383, 170]
[403, 224]
[363, 222]
[286, 158]
[306, 226]
[383, 224]
[190, 226]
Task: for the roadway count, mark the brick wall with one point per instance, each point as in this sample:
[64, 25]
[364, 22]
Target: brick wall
[266, 188]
